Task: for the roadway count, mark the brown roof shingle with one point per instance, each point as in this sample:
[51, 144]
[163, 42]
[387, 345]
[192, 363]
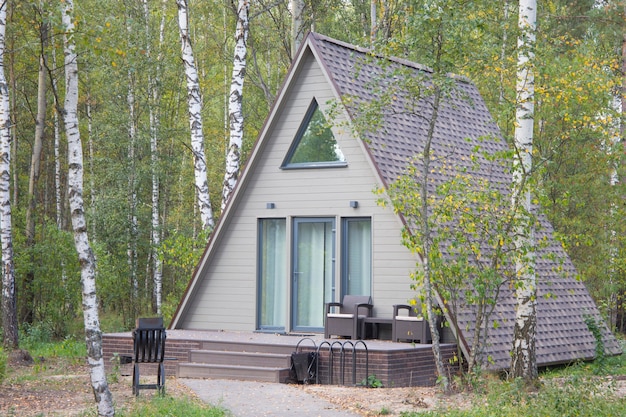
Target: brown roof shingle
[463, 122]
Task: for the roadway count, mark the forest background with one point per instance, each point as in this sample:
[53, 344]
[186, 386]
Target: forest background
[124, 47]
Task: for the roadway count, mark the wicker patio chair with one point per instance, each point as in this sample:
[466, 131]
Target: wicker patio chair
[346, 318]
[409, 326]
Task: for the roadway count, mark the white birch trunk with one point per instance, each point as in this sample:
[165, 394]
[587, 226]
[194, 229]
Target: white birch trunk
[235, 106]
[132, 188]
[297, 6]
[194, 98]
[373, 21]
[92, 183]
[523, 358]
[57, 152]
[93, 335]
[154, 95]
[9, 298]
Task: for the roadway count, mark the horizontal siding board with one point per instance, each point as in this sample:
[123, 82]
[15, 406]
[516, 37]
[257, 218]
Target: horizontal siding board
[228, 280]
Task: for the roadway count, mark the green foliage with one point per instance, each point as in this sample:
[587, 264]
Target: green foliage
[577, 73]
[596, 330]
[384, 411]
[68, 348]
[372, 382]
[157, 406]
[470, 248]
[3, 365]
[35, 334]
[180, 254]
[55, 286]
[606, 366]
[571, 396]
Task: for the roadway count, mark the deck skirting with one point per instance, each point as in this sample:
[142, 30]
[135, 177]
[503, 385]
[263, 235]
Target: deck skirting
[394, 364]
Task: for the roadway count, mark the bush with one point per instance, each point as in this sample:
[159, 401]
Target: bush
[3, 365]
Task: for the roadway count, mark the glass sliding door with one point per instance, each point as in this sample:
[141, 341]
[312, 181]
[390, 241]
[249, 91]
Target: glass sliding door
[357, 256]
[313, 271]
[272, 273]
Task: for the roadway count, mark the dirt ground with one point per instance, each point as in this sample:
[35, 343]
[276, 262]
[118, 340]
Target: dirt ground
[388, 401]
[58, 387]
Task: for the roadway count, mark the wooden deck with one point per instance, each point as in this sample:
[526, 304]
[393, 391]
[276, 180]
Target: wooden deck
[266, 357]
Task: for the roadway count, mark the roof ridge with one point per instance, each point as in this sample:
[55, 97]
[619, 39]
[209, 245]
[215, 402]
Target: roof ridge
[368, 51]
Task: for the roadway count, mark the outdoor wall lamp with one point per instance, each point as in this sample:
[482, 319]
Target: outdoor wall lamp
[354, 204]
[270, 206]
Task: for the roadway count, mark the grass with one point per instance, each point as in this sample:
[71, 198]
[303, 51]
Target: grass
[73, 352]
[570, 397]
[581, 389]
[167, 406]
[584, 389]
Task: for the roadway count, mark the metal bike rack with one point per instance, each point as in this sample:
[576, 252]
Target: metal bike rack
[341, 347]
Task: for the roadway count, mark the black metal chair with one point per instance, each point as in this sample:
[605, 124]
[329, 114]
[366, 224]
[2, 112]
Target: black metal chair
[149, 347]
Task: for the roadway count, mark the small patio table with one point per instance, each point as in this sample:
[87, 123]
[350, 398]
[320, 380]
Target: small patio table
[374, 323]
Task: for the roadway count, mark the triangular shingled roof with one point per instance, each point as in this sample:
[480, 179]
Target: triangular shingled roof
[464, 121]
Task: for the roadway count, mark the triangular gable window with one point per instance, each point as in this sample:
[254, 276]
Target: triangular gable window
[314, 145]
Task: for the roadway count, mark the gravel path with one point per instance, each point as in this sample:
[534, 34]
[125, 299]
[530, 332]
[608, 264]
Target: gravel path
[246, 399]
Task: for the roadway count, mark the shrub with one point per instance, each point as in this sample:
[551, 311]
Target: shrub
[3, 365]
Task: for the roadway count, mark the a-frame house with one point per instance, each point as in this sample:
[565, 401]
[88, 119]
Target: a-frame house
[303, 226]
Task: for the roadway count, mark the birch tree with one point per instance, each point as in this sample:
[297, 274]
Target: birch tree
[35, 166]
[132, 177]
[154, 120]
[235, 105]
[426, 232]
[194, 98]
[93, 334]
[523, 357]
[421, 240]
[297, 8]
[9, 298]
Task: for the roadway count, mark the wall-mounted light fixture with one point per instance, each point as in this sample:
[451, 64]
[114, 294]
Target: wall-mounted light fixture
[270, 206]
[354, 204]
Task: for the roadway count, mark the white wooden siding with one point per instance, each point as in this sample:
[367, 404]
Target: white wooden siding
[225, 294]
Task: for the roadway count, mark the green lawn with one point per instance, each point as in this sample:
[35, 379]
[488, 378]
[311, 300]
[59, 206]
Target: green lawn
[586, 389]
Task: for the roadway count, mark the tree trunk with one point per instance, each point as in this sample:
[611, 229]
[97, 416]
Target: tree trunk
[9, 298]
[426, 233]
[13, 114]
[195, 118]
[33, 179]
[297, 6]
[92, 174]
[506, 6]
[373, 22]
[132, 192]
[93, 335]
[154, 118]
[235, 108]
[523, 357]
[57, 163]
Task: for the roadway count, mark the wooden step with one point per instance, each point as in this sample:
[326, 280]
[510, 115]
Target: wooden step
[269, 360]
[246, 373]
[249, 347]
